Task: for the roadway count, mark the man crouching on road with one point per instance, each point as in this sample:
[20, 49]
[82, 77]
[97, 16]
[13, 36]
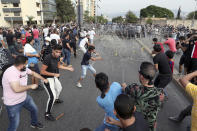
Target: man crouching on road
[15, 93]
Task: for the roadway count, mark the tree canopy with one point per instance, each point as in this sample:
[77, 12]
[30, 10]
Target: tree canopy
[131, 17]
[65, 10]
[156, 11]
[191, 15]
[118, 19]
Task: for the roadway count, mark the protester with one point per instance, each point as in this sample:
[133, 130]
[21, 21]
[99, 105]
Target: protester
[36, 38]
[191, 89]
[55, 36]
[15, 93]
[161, 64]
[85, 65]
[32, 56]
[171, 43]
[11, 41]
[170, 56]
[67, 49]
[147, 97]
[92, 34]
[50, 71]
[155, 41]
[83, 43]
[106, 100]
[125, 111]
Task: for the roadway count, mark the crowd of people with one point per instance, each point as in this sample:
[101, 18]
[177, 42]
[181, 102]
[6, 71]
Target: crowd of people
[128, 107]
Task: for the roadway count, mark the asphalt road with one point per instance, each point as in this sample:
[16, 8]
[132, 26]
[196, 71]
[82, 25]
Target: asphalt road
[121, 61]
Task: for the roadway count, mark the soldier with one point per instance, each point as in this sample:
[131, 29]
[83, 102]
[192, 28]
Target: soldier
[147, 97]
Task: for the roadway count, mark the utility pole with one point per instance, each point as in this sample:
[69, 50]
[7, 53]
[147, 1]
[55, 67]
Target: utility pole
[79, 14]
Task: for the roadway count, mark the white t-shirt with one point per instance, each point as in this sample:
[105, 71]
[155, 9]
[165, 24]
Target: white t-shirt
[29, 49]
[46, 31]
[83, 42]
[55, 36]
[91, 33]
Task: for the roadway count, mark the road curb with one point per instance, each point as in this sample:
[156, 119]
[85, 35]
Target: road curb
[175, 79]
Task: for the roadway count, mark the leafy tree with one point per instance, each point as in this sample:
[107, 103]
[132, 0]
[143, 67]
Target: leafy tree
[118, 19]
[191, 15]
[30, 19]
[155, 11]
[131, 17]
[101, 19]
[65, 10]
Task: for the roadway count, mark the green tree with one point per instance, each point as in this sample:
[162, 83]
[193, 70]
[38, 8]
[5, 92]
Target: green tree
[155, 11]
[191, 15]
[131, 17]
[88, 18]
[101, 19]
[30, 19]
[118, 19]
[65, 10]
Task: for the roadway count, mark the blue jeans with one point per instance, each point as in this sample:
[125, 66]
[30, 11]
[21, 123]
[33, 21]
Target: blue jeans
[103, 127]
[12, 49]
[37, 45]
[14, 113]
[67, 54]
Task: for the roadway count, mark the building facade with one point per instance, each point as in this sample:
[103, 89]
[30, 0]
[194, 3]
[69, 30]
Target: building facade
[14, 12]
[89, 5]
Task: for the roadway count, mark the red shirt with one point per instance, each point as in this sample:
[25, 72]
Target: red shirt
[162, 48]
[36, 33]
[171, 43]
[23, 41]
[171, 63]
[194, 51]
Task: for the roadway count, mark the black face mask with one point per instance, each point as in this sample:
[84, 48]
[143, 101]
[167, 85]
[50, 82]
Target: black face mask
[23, 69]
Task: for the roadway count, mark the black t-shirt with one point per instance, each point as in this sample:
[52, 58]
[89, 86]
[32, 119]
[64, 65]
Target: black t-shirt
[52, 64]
[163, 64]
[86, 58]
[10, 39]
[186, 46]
[64, 42]
[140, 123]
[17, 35]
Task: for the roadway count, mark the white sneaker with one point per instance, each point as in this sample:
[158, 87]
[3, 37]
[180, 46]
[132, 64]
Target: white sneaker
[79, 85]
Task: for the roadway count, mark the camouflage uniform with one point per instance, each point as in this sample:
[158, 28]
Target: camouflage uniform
[147, 101]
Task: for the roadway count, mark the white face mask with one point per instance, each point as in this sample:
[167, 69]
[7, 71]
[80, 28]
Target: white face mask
[47, 43]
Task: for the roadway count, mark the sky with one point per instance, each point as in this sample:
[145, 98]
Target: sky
[113, 8]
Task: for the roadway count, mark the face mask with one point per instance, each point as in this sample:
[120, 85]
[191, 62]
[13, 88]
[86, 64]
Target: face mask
[47, 43]
[23, 69]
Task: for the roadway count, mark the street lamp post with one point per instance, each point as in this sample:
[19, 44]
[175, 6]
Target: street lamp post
[79, 14]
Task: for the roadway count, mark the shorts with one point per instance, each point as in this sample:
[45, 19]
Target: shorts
[35, 68]
[162, 81]
[83, 49]
[193, 65]
[85, 68]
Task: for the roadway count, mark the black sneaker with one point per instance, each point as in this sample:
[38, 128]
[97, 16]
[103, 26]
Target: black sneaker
[58, 101]
[37, 126]
[49, 117]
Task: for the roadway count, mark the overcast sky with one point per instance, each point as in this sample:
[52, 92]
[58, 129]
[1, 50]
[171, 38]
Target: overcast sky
[116, 7]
